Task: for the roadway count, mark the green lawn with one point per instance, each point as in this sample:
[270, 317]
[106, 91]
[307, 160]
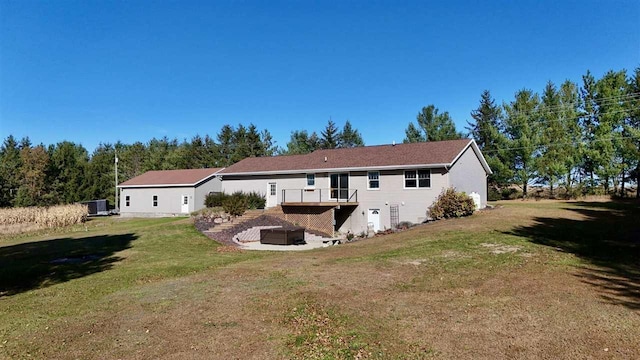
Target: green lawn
[544, 279]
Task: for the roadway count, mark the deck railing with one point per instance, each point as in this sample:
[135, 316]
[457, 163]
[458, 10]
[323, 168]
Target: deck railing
[319, 195]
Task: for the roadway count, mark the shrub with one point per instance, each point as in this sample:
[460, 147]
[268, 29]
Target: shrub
[235, 204]
[511, 193]
[450, 204]
[214, 199]
[255, 200]
[494, 194]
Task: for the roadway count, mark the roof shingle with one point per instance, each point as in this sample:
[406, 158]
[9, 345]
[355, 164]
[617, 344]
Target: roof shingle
[425, 153]
[171, 177]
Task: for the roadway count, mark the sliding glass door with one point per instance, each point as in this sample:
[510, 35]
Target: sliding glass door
[340, 186]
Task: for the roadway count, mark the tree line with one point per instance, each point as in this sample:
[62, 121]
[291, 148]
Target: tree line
[581, 138]
[66, 173]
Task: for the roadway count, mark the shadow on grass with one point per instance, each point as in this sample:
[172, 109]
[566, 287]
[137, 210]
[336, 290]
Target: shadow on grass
[44, 263]
[608, 237]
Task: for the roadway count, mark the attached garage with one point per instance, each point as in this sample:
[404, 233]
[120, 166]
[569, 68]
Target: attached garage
[167, 192]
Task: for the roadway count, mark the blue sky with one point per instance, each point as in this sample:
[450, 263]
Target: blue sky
[103, 71]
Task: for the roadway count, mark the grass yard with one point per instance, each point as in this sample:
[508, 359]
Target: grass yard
[527, 280]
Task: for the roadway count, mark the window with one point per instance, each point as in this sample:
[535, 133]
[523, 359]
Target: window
[374, 180]
[185, 200]
[424, 178]
[126, 200]
[417, 179]
[410, 179]
[311, 180]
[272, 189]
[155, 200]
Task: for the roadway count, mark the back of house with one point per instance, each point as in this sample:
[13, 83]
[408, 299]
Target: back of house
[364, 188]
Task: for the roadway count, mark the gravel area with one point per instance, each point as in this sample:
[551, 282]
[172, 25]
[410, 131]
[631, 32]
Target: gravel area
[226, 236]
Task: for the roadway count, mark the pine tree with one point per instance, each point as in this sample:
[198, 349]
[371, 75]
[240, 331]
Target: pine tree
[10, 164]
[608, 132]
[487, 132]
[68, 165]
[302, 143]
[632, 127]
[100, 174]
[522, 129]
[413, 134]
[432, 126]
[225, 145]
[330, 136]
[350, 137]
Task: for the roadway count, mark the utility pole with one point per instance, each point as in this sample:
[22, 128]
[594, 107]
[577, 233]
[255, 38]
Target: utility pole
[116, 165]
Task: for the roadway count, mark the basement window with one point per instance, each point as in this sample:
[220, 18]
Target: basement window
[155, 200]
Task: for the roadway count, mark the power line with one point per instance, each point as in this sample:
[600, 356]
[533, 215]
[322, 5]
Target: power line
[534, 121]
[541, 146]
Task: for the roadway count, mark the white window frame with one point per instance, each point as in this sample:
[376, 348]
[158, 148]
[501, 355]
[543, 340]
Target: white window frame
[127, 200]
[369, 180]
[154, 200]
[416, 179]
[310, 177]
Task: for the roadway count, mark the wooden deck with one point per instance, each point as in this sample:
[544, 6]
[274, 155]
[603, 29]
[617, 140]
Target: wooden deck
[321, 204]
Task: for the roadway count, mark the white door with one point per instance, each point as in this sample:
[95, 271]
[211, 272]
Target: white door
[374, 219]
[185, 204]
[272, 194]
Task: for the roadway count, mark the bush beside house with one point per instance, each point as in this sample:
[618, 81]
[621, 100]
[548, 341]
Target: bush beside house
[450, 204]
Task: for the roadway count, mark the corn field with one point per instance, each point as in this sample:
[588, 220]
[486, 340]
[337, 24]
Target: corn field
[45, 217]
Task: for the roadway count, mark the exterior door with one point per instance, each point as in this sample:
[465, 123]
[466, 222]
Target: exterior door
[185, 204]
[272, 194]
[340, 186]
[374, 219]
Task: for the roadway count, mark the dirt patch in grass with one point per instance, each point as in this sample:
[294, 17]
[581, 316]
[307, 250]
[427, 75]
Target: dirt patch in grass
[501, 249]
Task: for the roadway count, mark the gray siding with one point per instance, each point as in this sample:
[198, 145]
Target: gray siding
[169, 199]
[213, 185]
[412, 203]
[468, 175]
[141, 201]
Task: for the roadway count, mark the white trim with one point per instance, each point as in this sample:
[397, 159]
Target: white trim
[369, 183]
[306, 181]
[417, 187]
[476, 149]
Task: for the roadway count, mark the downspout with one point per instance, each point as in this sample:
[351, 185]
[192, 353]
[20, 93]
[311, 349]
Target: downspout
[447, 167]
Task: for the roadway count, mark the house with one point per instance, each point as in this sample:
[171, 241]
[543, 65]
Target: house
[167, 192]
[357, 189]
